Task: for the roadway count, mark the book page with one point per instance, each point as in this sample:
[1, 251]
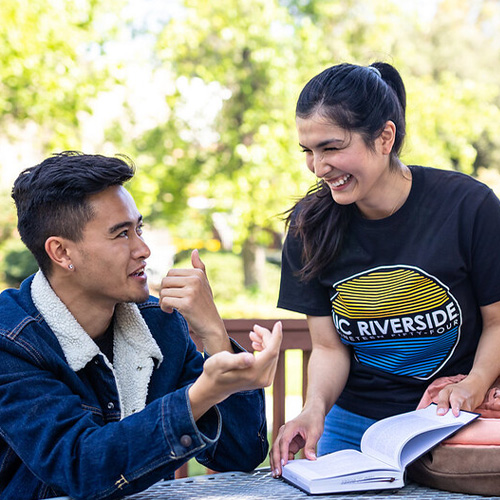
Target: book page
[340, 463]
[386, 438]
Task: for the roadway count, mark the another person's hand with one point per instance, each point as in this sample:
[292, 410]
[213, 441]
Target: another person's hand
[466, 395]
[225, 373]
[303, 431]
[188, 291]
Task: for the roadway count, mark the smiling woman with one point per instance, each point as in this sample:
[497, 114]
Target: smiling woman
[393, 265]
[354, 171]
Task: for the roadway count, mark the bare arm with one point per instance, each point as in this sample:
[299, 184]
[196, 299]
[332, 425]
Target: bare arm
[470, 392]
[328, 367]
[327, 375]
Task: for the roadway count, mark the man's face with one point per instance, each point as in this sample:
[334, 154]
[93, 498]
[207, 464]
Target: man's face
[110, 260]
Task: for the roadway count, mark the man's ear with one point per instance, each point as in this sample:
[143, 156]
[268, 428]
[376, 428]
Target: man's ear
[387, 137]
[58, 251]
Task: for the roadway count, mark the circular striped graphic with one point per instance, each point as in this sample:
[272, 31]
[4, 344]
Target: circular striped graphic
[397, 319]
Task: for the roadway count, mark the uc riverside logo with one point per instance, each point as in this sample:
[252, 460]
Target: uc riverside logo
[397, 319]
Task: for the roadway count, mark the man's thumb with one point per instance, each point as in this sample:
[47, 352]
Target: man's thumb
[277, 332]
[196, 261]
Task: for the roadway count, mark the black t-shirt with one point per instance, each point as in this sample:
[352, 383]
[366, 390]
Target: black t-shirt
[405, 291]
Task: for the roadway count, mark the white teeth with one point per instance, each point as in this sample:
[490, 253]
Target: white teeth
[342, 181]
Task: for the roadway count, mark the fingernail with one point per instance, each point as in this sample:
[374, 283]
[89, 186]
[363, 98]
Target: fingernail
[441, 411]
[276, 473]
[282, 462]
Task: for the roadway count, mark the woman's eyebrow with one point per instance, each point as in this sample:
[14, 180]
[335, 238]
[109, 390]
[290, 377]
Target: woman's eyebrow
[323, 143]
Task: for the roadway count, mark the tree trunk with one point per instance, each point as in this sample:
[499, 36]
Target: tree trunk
[254, 259]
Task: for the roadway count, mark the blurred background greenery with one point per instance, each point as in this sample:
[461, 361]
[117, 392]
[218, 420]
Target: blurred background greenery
[201, 96]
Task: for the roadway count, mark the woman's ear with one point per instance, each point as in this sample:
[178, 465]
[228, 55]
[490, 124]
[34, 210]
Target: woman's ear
[387, 137]
[57, 249]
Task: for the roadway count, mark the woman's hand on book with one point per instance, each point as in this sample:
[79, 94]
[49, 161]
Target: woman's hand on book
[466, 395]
[469, 393]
[304, 432]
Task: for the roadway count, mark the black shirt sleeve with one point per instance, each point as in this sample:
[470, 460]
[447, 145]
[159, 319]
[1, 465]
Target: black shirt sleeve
[307, 297]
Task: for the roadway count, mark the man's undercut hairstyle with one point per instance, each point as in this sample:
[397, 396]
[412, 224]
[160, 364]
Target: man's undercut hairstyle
[52, 197]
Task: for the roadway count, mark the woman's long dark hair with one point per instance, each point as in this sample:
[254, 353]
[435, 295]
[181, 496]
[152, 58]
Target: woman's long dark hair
[360, 100]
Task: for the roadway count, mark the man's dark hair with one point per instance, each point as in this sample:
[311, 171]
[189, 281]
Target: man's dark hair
[52, 197]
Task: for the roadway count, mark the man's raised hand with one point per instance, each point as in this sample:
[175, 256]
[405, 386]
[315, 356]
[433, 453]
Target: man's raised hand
[225, 373]
[188, 291]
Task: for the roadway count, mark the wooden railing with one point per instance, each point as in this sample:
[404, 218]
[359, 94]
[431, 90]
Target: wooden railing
[295, 336]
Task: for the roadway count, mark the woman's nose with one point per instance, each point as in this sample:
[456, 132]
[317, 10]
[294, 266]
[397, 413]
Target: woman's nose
[319, 165]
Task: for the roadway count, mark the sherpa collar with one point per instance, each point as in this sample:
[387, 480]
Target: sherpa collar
[134, 346]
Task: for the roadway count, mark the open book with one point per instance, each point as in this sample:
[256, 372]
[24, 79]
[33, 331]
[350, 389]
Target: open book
[387, 447]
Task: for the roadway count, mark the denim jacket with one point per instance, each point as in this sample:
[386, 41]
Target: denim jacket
[71, 427]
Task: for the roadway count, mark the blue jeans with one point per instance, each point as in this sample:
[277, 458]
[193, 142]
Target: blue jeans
[343, 430]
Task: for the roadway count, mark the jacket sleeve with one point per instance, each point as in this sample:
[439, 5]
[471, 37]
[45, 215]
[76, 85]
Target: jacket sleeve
[46, 426]
[242, 444]
[55, 434]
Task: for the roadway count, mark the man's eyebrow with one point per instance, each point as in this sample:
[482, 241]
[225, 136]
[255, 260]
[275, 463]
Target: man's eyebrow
[324, 143]
[124, 224]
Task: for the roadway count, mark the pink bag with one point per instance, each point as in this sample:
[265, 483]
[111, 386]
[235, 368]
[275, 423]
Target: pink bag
[469, 461]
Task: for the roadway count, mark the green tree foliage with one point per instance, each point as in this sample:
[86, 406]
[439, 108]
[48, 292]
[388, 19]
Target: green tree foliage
[250, 59]
[17, 263]
[233, 71]
[47, 75]
[455, 87]
[248, 54]
[52, 63]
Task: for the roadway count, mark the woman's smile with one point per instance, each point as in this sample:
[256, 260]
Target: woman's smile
[338, 182]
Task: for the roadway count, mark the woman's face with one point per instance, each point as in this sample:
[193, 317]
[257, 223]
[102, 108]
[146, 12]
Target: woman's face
[354, 172]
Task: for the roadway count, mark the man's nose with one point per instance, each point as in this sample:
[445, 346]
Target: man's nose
[141, 250]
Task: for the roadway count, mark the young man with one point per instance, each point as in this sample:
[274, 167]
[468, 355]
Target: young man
[102, 391]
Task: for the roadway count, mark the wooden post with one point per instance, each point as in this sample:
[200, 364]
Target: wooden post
[182, 471]
[279, 396]
[306, 355]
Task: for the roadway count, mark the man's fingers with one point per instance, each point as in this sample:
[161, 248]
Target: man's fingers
[181, 279]
[277, 335]
[257, 346]
[271, 341]
[196, 261]
[227, 362]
